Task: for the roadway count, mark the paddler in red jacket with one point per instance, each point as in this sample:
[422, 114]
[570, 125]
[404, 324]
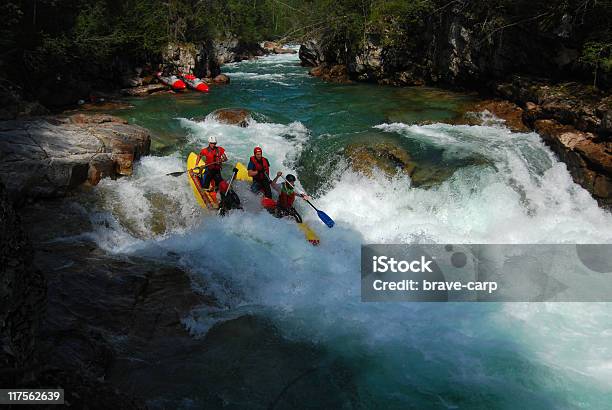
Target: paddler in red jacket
[259, 170]
[214, 157]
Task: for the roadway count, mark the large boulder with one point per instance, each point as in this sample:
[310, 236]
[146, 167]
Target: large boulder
[233, 116]
[311, 54]
[269, 46]
[231, 49]
[221, 79]
[336, 74]
[385, 156]
[48, 157]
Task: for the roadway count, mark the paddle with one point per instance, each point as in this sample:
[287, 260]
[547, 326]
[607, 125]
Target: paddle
[235, 170]
[178, 173]
[322, 215]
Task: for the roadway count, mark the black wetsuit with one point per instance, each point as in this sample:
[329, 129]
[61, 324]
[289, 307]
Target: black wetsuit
[229, 201]
[281, 212]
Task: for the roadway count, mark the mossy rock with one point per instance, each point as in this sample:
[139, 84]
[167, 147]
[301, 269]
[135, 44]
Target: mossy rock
[385, 156]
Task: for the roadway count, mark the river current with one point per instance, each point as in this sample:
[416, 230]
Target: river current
[481, 184]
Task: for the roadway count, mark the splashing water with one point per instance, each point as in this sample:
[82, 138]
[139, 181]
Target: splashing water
[400, 354]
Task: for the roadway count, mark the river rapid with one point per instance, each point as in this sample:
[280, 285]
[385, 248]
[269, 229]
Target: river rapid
[481, 184]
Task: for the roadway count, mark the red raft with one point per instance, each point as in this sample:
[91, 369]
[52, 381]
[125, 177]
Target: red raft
[195, 83]
[172, 81]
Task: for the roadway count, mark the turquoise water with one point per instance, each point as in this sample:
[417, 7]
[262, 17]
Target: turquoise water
[476, 184]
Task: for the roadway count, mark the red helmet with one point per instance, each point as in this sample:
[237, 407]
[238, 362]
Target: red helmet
[223, 187]
[256, 150]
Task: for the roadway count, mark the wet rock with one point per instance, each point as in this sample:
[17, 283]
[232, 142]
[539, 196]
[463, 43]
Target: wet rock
[567, 103]
[233, 116]
[335, 74]
[269, 46]
[574, 120]
[272, 47]
[317, 71]
[30, 357]
[280, 50]
[387, 157]
[49, 157]
[231, 49]
[531, 114]
[144, 90]
[221, 79]
[311, 54]
[510, 113]
[588, 160]
[404, 78]
[100, 310]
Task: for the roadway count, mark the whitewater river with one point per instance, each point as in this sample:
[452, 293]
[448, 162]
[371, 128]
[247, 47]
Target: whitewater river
[479, 184]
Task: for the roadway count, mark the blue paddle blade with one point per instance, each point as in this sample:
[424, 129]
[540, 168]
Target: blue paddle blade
[326, 219]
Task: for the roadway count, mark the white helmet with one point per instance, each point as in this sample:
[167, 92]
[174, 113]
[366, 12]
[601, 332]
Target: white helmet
[212, 139]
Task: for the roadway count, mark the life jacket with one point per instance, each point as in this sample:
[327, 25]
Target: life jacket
[286, 197]
[260, 166]
[212, 155]
[223, 186]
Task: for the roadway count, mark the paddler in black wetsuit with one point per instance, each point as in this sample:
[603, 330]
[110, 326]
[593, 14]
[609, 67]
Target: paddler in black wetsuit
[259, 170]
[229, 200]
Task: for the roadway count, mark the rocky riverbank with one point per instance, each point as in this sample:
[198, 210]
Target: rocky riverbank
[71, 312]
[131, 77]
[112, 330]
[45, 157]
[54, 294]
[574, 119]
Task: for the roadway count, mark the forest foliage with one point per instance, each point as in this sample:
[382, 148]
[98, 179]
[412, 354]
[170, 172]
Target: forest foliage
[48, 35]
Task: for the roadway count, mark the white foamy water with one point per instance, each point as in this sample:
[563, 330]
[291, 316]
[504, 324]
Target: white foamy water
[254, 263]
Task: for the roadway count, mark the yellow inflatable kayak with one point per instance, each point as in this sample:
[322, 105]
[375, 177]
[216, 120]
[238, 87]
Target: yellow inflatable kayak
[205, 199]
[310, 235]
